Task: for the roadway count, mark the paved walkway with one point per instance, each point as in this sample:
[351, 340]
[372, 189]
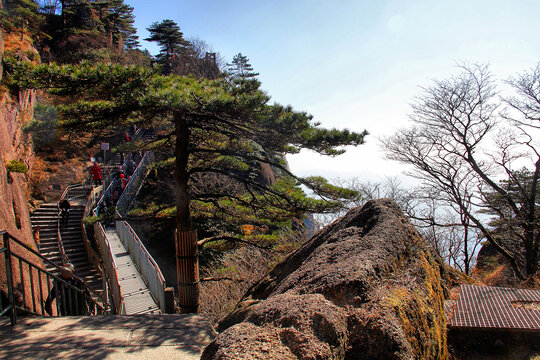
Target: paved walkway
[106, 337]
[137, 298]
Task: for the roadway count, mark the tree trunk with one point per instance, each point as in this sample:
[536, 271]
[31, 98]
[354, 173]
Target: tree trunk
[111, 40]
[531, 236]
[63, 2]
[531, 252]
[466, 248]
[187, 263]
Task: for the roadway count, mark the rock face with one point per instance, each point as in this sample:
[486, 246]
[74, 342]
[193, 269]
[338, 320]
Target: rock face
[14, 189]
[364, 287]
[14, 145]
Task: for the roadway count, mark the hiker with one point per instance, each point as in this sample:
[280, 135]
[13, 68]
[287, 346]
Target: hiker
[64, 212]
[130, 167]
[95, 172]
[116, 176]
[123, 181]
[71, 294]
[35, 232]
[115, 195]
[137, 156]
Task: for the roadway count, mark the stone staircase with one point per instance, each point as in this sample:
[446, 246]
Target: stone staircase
[46, 217]
[112, 165]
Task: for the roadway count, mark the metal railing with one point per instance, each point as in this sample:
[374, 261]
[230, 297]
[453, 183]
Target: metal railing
[68, 192]
[147, 267]
[107, 193]
[61, 250]
[110, 267]
[108, 264]
[93, 255]
[110, 184]
[36, 287]
[132, 188]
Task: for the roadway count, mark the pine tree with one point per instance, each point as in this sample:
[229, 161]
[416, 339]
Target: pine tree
[132, 42]
[216, 128]
[171, 41]
[22, 15]
[119, 22]
[241, 68]
[516, 226]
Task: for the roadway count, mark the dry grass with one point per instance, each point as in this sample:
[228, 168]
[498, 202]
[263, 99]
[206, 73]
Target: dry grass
[239, 269]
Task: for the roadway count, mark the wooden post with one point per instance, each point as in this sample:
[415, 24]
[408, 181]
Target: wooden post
[9, 279]
[169, 301]
[187, 266]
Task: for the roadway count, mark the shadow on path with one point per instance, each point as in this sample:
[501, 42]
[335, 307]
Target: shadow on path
[110, 337]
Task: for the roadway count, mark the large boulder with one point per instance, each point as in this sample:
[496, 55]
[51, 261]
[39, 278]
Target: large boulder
[364, 287]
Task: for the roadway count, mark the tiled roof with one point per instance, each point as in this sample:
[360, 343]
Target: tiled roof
[497, 308]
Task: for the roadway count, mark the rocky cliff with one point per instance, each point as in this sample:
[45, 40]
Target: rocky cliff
[364, 287]
[15, 145]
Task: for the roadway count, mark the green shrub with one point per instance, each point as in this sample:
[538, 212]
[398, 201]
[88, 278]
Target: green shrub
[44, 128]
[16, 166]
[91, 220]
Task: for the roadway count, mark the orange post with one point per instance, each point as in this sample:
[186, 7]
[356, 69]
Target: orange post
[187, 266]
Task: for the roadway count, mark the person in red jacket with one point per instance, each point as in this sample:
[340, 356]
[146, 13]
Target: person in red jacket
[123, 181]
[95, 172]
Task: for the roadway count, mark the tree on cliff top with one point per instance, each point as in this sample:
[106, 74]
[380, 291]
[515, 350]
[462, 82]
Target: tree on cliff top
[241, 68]
[21, 15]
[118, 20]
[217, 128]
[171, 41]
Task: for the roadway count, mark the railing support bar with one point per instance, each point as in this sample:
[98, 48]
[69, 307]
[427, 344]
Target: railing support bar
[9, 279]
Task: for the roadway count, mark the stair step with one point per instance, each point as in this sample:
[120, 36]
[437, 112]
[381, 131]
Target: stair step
[46, 217]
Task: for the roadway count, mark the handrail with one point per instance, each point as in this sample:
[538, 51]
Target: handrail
[147, 266]
[107, 192]
[93, 255]
[122, 206]
[60, 243]
[26, 247]
[70, 188]
[37, 280]
[129, 193]
[110, 266]
[110, 275]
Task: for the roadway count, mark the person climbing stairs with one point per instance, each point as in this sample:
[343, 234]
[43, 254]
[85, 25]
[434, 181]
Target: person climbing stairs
[46, 217]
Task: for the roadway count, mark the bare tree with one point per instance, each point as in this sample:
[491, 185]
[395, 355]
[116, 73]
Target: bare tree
[440, 225]
[389, 187]
[205, 62]
[461, 148]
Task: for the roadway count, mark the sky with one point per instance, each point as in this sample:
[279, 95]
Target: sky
[356, 64]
